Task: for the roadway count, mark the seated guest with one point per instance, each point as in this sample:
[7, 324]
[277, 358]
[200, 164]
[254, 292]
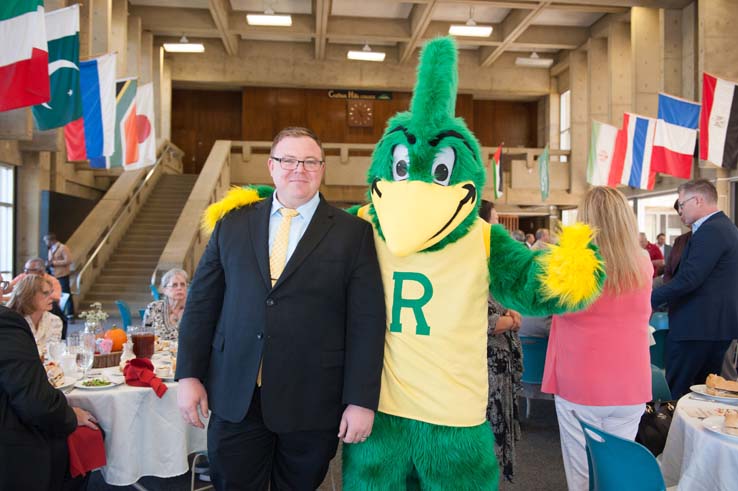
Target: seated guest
[37, 266]
[31, 298]
[165, 314]
[35, 418]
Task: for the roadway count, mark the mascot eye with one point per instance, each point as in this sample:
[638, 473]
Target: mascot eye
[443, 166]
[400, 162]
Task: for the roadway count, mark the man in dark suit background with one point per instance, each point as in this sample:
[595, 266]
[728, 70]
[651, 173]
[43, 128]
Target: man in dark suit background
[703, 312]
[288, 361]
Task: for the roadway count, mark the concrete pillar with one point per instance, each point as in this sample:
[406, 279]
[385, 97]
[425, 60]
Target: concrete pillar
[50, 5]
[157, 72]
[102, 22]
[119, 39]
[690, 74]
[620, 72]
[146, 67]
[33, 177]
[85, 30]
[133, 52]
[553, 219]
[670, 27]
[553, 125]
[166, 101]
[598, 79]
[645, 49]
[580, 125]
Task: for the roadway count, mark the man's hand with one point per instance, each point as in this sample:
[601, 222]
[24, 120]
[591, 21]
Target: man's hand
[190, 395]
[85, 419]
[356, 424]
[517, 318]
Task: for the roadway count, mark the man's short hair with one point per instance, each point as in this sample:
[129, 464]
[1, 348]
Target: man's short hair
[50, 237]
[661, 235]
[703, 187]
[297, 132]
[540, 233]
[38, 261]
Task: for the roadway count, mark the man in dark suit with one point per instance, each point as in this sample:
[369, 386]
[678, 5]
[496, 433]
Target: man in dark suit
[290, 360]
[35, 418]
[703, 312]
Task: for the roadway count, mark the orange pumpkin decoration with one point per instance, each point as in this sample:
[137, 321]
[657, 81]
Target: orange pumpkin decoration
[118, 337]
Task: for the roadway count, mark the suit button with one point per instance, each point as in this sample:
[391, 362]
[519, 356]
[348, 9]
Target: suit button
[259, 335]
[270, 302]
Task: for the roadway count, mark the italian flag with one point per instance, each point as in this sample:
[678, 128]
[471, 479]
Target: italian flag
[24, 63]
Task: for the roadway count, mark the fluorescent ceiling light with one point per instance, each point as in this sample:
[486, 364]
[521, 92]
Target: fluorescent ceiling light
[534, 61]
[267, 19]
[366, 54]
[471, 28]
[184, 46]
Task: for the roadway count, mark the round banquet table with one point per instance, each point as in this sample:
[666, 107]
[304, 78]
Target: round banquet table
[694, 457]
[144, 435]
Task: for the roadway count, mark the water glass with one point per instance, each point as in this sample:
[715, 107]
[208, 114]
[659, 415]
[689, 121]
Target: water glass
[55, 350]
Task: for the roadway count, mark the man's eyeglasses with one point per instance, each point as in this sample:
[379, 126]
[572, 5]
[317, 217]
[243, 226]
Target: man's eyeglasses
[291, 163]
[177, 285]
[33, 270]
[681, 204]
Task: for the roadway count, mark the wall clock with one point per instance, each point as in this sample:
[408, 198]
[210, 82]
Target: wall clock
[360, 113]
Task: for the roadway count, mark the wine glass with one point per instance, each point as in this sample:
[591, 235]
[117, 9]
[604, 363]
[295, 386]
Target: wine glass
[85, 355]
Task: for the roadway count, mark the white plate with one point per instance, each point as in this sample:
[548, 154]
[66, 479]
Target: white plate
[716, 425]
[80, 385]
[68, 382]
[701, 389]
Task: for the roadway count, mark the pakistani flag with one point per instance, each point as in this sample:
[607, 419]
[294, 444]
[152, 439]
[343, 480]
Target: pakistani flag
[543, 173]
[62, 36]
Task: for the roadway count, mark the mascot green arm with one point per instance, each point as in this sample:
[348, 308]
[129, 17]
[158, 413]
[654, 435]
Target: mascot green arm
[234, 199]
[565, 277]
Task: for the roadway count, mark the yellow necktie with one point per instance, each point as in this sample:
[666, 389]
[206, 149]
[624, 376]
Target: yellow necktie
[278, 256]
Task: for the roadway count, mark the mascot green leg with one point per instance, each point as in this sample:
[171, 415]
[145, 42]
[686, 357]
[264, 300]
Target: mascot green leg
[408, 454]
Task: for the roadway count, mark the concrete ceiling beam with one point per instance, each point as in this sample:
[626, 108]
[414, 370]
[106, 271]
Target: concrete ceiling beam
[166, 21]
[514, 25]
[219, 10]
[322, 10]
[420, 17]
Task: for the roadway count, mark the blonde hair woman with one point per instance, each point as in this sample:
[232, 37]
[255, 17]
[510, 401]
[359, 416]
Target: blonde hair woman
[597, 364]
[32, 298]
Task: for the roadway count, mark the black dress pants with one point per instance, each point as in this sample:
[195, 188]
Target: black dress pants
[248, 456]
[690, 362]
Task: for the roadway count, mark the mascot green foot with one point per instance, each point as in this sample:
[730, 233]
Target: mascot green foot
[409, 454]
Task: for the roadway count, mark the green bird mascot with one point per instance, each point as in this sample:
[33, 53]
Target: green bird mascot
[439, 263]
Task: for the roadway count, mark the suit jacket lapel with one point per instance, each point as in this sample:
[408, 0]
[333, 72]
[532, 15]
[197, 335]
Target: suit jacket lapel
[259, 233]
[320, 224]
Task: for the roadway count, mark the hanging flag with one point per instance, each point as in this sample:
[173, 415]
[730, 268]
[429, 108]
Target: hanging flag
[144, 127]
[543, 173]
[676, 136]
[126, 131]
[719, 122]
[91, 137]
[497, 182]
[65, 105]
[637, 164]
[601, 149]
[24, 61]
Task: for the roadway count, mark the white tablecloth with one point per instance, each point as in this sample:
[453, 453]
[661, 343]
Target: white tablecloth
[144, 435]
[698, 458]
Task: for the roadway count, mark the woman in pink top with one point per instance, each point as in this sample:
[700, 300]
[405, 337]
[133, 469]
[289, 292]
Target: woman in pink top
[598, 363]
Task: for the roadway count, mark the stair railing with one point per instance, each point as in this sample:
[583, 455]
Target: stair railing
[119, 206]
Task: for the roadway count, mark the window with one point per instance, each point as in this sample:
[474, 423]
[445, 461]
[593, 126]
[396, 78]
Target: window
[7, 201]
[565, 123]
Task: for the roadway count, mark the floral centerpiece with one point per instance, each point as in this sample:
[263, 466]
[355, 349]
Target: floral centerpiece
[94, 318]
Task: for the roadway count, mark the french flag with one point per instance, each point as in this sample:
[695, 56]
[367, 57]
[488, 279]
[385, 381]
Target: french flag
[637, 171]
[719, 122]
[676, 136]
[92, 136]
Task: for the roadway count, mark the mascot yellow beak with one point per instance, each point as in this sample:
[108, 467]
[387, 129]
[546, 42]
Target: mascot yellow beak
[415, 215]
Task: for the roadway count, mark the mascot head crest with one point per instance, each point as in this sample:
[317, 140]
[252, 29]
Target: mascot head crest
[427, 172]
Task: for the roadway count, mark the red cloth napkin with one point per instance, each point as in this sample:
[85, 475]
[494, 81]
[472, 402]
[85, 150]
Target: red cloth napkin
[86, 451]
[139, 372]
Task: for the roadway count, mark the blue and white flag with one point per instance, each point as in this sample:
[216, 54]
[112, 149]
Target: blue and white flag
[676, 136]
[637, 165]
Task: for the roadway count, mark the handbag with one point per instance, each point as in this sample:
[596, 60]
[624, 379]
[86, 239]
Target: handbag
[654, 425]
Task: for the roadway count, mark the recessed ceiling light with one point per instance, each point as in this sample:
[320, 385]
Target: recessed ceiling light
[471, 28]
[269, 19]
[184, 46]
[366, 54]
[534, 61]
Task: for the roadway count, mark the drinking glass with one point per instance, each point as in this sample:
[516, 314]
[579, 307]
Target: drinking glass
[84, 359]
[143, 341]
[84, 351]
[55, 350]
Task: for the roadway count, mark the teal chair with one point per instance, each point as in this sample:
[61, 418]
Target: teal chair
[657, 350]
[659, 387]
[616, 464]
[155, 292]
[660, 320]
[125, 313]
[534, 359]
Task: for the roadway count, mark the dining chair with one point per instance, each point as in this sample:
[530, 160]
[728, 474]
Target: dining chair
[125, 313]
[617, 464]
[659, 387]
[155, 292]
[657, 350]
[534, 359]
[660, 320]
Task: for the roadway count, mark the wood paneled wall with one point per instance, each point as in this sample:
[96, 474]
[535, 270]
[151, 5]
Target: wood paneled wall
[199, 117]
[515, 124]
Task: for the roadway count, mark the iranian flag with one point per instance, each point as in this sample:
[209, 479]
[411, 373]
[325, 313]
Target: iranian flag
[24, 60]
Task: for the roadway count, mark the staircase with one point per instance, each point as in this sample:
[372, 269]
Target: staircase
[127, 274]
